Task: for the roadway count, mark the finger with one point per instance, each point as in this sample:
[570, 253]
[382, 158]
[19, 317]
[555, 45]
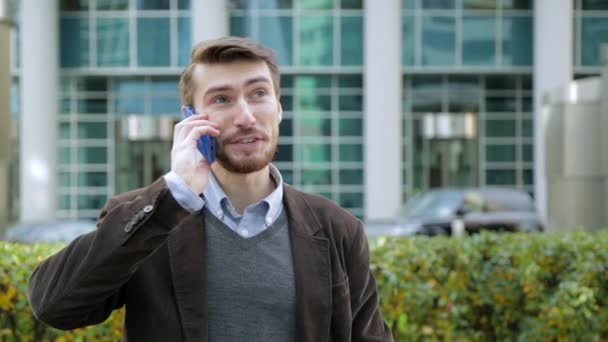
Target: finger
[197, 132]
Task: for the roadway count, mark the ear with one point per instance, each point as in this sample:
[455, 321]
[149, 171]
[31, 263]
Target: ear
[280, 112]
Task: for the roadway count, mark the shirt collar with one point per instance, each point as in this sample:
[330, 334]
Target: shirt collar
[214, 195]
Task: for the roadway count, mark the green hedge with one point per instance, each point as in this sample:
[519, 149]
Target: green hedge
[488, 287]
[541, 287]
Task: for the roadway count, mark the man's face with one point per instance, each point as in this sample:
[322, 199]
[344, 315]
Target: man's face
[240, 98]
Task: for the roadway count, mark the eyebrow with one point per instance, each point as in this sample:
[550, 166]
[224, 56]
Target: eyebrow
[227, 87]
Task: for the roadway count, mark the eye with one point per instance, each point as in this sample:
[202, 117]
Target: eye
[220, 99]
[259, 93]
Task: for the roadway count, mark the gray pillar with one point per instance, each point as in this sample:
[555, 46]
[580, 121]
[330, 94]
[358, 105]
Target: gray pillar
[39, 83]
[382, 108]
[5, 89]
[209, 20]
[552, 69]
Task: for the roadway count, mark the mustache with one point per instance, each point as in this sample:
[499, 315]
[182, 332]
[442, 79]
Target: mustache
[243, 133]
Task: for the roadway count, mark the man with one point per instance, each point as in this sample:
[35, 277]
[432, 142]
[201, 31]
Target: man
[223, 251]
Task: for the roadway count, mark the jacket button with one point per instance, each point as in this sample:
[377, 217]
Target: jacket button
[148, 208]
[129, 226]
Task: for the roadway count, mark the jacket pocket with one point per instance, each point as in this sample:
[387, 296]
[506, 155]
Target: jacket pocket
[341, 315]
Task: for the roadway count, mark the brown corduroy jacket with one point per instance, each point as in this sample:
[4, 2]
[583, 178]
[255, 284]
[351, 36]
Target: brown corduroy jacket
[148, 254]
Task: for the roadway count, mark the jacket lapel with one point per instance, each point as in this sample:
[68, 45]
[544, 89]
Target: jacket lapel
[312, 269]
[187, 248]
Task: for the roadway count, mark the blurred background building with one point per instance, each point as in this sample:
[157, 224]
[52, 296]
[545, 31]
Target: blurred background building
[382, 98]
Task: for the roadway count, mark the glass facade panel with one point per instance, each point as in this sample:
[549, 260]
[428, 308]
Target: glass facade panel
[74, 42]
[316, 40]
[112, 5]
[92, 155]
[165, 104]
[408, 37]
[284, 153]
[505, 104]
[351, 177]
[438, 4]
[184, 33]
[528, 152]
[313, 127]
[74, 5]
[500, 128]
[92, 179]
[183, 4]
[500, 153]
[64, 130]
[351, 200]
[517, 39]
[316, 4]
[275, 4]
[500, 177]
[153, 4]
[351, 40]
[595, 33]
[478, 45]
[112, 42]
[594, 4]
[351, 127]
[351, 152]
[92, 130]
[91, 202]
[286, 127]
[93, 106]
[527, 128]
[516, 4]
[316, 177]
[315, 153]
[351, 4]
[351, 102]
[438, 40]
[479, 4]
[277, 33]
[153, 42]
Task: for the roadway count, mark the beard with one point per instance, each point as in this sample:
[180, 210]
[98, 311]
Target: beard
[247, 163]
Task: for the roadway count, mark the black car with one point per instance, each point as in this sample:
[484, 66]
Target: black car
[458, 211]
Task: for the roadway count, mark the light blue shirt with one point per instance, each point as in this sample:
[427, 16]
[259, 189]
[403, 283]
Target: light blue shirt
[256, 217]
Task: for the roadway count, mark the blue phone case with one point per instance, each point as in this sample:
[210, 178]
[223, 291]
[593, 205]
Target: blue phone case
[206, 143]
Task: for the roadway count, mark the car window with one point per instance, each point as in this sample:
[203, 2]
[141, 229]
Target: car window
[508, 200]
[433, 203]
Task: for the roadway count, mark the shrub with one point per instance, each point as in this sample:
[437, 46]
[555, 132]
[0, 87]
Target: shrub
[540, 287]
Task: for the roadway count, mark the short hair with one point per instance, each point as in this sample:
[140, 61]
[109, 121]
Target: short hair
[227, 50]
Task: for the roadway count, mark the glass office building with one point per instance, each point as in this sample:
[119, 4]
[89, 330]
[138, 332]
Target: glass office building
[466, 99]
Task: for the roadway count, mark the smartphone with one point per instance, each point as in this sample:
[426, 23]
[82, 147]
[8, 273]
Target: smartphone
[206, 143]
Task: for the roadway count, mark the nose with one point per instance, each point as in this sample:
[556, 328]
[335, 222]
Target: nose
[244, 117]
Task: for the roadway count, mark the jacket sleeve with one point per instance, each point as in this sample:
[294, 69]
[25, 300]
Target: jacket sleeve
[367, 321]
[83, 283]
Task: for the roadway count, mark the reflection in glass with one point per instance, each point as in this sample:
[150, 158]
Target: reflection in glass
[438, 40]
[516, 4]
[92, 130]
[74, 5]
[351, 41]
[500, 153]
[316, 40]
[112, 42]
[500, 128]
[407, 33]
[351, 152]
[479, 4]
[437, 4]
[316, 177]
[351, 102]
[92, 179]
[112, 5]
[74, 41]
[315, 153]
[594, 34]
[276, 33]
[315, 4]
[517, 38]
[153, 46]
[314, 102]
[351, 127]
[500, 177]
[92, 155]
[351, 177]
[153, 4]
[275, 4]
[183, 41]
[313, 127]
[479, 43]
[93, 106]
